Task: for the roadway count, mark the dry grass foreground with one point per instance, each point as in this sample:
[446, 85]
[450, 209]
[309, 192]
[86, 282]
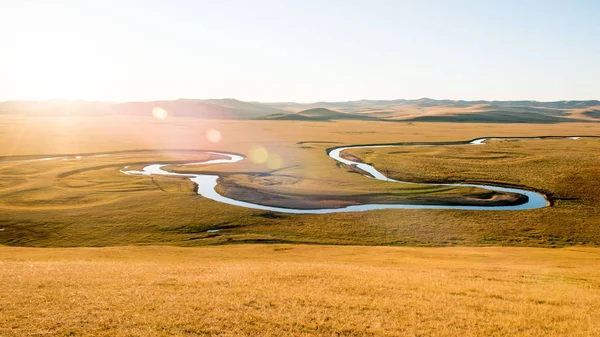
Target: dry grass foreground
[296, 290]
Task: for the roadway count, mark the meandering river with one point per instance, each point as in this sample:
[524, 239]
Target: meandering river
[207, 184]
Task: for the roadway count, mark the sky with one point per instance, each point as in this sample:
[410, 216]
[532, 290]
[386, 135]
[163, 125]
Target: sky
[302, 51]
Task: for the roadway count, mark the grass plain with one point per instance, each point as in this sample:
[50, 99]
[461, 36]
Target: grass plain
[231, 288]
[88, 202]
[299, 290]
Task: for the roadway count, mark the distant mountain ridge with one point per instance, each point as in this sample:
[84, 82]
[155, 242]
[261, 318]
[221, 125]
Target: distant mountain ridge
[480, 111]
[416, 110]
[428, 102]
[318, 114]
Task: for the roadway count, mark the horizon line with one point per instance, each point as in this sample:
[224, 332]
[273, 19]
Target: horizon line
[294, 102]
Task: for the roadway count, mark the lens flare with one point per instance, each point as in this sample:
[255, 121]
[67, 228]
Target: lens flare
[213, 136]
[159, 113]
[258, 155]
[275, 161]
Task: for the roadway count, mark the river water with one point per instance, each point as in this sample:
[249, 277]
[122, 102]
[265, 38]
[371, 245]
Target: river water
[207, 184]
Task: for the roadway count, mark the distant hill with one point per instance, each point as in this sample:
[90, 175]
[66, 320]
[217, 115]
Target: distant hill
[399, 110]
[460, 111]
[190, 108]
[592, 113]
[428, 102]
[318, 114]
[497, 116]
[210, 109]
[246, 108]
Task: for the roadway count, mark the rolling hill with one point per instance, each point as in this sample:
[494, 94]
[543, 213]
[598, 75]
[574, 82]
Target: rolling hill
[318, 114]
[210, 109]
[189, 108]
[431, 110]
[592, 113]
[400, 110]
[494, 116]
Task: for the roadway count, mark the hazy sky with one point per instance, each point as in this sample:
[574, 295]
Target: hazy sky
[299, 50]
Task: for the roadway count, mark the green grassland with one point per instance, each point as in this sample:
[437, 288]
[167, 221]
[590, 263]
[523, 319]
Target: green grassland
[88, 202]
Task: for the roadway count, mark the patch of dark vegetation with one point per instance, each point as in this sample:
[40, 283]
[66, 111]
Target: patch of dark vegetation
[156, 183]
[282, 249]
[234, 241]
[316, 142]
[293, 117]
[271, 215]
[349, 156]
[354, 169]
[497, 116]
[201, 237]
[262, 241]
[547, 111]
[516, 199]
[25, 232]
[200, 228]
[318, 115]
[592, 113]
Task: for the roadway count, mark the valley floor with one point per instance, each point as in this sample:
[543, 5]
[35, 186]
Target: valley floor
[88, 201]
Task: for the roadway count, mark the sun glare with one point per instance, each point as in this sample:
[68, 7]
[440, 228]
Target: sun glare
[275, 161]
[258, 154]
[159, 113]
[213, 136]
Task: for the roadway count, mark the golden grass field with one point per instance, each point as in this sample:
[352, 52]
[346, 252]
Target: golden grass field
[143, 286]
[299, 290]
